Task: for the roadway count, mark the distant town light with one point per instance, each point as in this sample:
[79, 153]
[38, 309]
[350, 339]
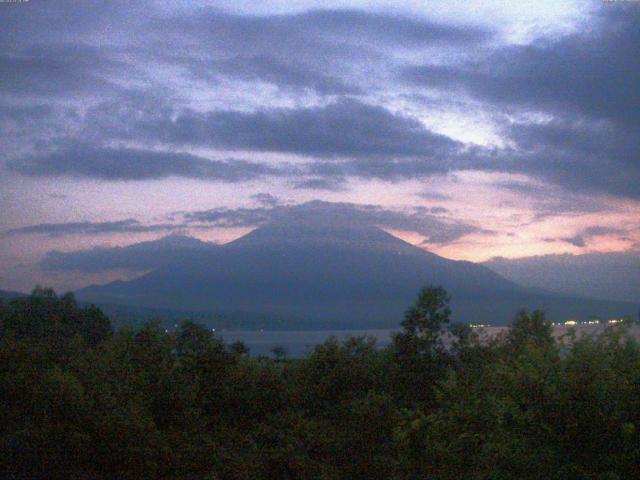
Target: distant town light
[570, 322]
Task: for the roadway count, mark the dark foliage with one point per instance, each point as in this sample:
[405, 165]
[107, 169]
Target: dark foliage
[44, 315]
[79, 401]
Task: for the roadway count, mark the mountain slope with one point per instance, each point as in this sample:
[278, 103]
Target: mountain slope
[608, 275]
[351, 275]
[9, 295]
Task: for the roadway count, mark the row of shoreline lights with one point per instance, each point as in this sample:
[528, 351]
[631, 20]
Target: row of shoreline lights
[589, 322]
[568, 323]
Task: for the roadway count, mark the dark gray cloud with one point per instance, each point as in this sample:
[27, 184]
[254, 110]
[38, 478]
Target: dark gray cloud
[550, 200]
[448, 157]
[297, 50]
[345, 138]
[439, 230]
[129, 225]
[582, 238]
[327, 183]
[586, 84]
[331, 27]
[290, 51]
[344, 128]
[59, 71]
[386, 28]
[595, 72]
[266, 199]
[139, 257]
[429, 195]
[439, 210]
[25, 124]
[65, 51]
[20, 114]
[576, 241]
[612, 276]
[580, 155]
[82, 160]
[65, 21]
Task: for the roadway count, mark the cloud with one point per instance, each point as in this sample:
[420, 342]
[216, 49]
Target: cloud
[344, 139]
[386, 27]
[117, 164]
[420, 220]
[297, 50]
[25, 124]
[266, 199]
[343, 128]
[59, 70]
[439, 210]
[576, 241]
[580, 155]
[443, 158]
[585, 81]
[65, 20]
[25, 113]
[429, 195]
[270, 69]
[550, 200]
[88, 228]
[314, 29]
[574, 112]
[582, 238]
[595, 73]
[288, 50]
[331, 184]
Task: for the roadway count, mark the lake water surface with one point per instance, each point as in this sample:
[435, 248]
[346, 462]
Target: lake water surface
[299, 343]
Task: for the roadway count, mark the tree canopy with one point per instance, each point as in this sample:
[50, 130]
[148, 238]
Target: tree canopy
[82, 401]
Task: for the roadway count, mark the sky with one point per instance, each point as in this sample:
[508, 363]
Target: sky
[472, 129]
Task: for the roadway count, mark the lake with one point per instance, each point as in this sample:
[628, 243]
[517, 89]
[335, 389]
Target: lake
[300, 342]
[297, 342]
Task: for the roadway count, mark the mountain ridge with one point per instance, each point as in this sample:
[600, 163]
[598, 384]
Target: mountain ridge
[358, 275]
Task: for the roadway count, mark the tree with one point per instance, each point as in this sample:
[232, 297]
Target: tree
[45, 315]
[528, 328]
[419, 349]
[280, 352]
[239, 348]
[423, 322]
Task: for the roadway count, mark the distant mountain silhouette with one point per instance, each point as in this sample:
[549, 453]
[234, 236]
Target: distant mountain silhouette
[333, 274]
[605, 275]
[9, 295]
[140, 257]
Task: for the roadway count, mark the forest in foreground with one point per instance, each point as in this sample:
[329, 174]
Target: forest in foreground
[82, 401]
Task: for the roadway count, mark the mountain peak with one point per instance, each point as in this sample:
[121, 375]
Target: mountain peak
[325, 233]
[177, 240]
